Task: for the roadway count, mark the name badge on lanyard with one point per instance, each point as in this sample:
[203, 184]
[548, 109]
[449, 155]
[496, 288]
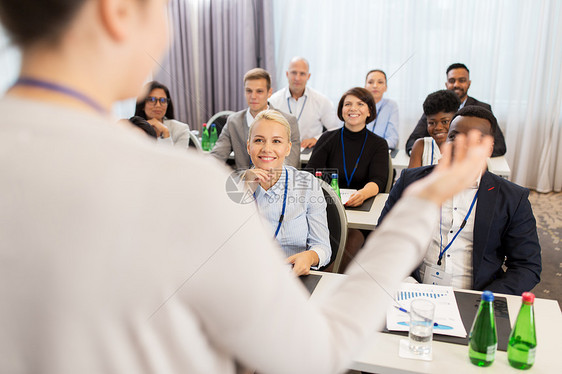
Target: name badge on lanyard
[436, 275]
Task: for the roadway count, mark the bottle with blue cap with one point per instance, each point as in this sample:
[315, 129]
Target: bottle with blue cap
[483, 339]
[335, 185]
[213, 137]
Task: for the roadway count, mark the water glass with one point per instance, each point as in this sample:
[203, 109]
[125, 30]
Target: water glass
[421, 326]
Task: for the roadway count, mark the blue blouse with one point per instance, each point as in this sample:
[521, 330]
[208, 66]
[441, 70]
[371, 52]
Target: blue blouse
[304, 225]
[386, 123]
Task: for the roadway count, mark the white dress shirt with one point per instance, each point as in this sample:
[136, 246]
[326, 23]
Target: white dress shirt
[313, 111]
[431, 152]
[250, 117]
[457, 260]
[304, 225]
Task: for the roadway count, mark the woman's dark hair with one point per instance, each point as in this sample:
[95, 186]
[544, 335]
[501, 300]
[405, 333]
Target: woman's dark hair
[363, 95]
[139, 109]
[143, 125]
[441, 101]
[31, 21]
[376, 70]
[479, 112]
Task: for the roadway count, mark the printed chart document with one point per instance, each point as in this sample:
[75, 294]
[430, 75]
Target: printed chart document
[346, 194]
[447, 317]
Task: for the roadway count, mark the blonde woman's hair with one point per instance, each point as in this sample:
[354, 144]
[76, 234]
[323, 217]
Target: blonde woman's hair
[271, 115]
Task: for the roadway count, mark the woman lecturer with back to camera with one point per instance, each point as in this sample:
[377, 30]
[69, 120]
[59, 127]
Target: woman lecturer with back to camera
[114, 280]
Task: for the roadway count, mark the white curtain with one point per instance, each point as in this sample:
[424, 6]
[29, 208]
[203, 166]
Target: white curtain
[512, 48]
[10, 59]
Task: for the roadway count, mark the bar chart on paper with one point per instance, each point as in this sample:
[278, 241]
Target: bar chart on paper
[446, 309]
[407, 295]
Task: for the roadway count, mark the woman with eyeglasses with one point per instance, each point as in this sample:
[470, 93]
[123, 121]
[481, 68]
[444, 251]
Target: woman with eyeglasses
[439, 107]
[157, 108]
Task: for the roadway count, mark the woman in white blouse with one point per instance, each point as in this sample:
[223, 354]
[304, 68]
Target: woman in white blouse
[290, 200]
[157, 108]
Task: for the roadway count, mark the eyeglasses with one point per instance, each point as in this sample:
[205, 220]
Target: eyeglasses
[151, 100]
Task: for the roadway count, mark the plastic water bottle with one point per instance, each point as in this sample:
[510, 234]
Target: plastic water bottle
[318, 175]
[205, 144]
[483, 340]
[523, 339]
[335, 185]
[214, 136]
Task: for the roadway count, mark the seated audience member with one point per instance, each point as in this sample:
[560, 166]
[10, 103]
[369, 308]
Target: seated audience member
[283, 191]
[482, 230]
[439, 108]
[132, 267]
[314, 111]
[158, 110]
[360, 156]
[234, 135]
[385, 124]
[458, 81]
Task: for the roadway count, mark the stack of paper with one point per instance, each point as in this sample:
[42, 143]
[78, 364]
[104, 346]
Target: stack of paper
[447, 317]
[346, 194]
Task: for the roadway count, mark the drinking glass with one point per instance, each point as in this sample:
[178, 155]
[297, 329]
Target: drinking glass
[421, 326]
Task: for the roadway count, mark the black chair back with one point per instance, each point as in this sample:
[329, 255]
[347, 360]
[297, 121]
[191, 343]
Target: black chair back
[337, 225]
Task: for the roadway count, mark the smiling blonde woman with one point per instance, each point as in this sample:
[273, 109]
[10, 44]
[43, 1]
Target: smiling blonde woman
[290, 200]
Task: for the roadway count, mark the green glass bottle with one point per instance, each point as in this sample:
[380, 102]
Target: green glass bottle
[483, 340]
[213, 137]
[523, 339]
[335, 185]
[205, 144]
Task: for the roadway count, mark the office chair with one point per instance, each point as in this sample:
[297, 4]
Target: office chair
[390, 180]
[194, 142]
[219, 119]
[337, 226]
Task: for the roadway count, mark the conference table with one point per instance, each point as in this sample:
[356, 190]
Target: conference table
[357, 219]
[497, 165]
[400, 160]
[380, 353]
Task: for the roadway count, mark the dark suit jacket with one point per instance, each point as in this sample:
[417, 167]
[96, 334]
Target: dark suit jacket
[504, 228]
[420, 131]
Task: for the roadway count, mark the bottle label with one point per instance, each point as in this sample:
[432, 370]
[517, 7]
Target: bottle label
[491, 352]
[531, 356]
